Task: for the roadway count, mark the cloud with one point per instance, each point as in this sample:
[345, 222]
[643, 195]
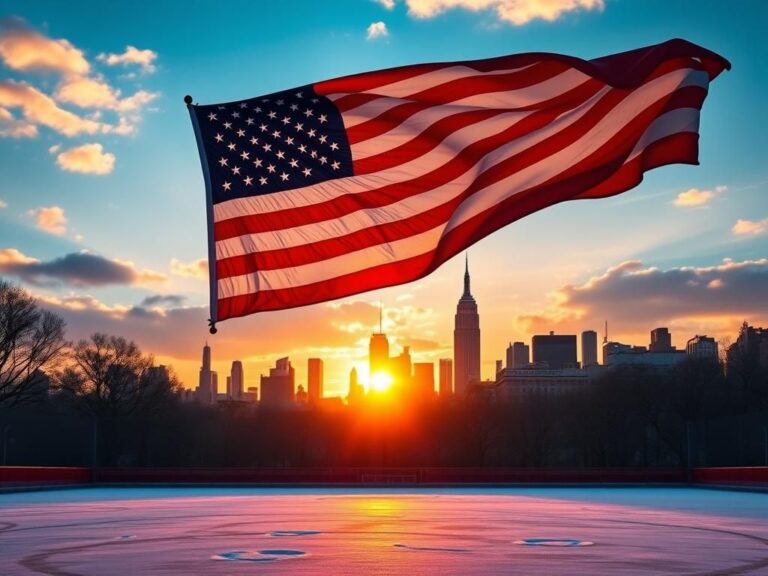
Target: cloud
[24, 49]
[79, 269]
[39, 108]
[11, 127]
[696, 197]
[194, 269]
[377, 30]
[50, 219]
[169, 300]
[517, 12]
[132, 55]
[387, 4]
[750, 227]
[641, 297]
[88, 92]
[3, 204]
[85, 159]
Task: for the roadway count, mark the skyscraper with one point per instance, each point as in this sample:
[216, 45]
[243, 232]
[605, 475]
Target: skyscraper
[446, 377]
[378, 351]
[588, 348]
[661, 340]
[466, 340]
[315, 379]
[235, 381]
[424, 378]
[277, 388]
[555, 351]
[702, 347]
[355, 390]
[207, 386]
[518, 355]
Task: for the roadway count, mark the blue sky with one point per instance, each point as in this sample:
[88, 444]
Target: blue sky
[149, 208]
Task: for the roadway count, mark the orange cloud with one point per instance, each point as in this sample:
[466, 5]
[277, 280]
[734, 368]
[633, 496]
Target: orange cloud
[377, 30]
[696, 197]
[86, 159]
[194, 269]
[50, 219]
[516, 12]
[132, 55]
[22, 48]
[88, 92]
[750, 227]
[11, 127]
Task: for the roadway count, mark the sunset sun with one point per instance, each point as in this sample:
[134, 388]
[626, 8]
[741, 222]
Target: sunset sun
[381, 382]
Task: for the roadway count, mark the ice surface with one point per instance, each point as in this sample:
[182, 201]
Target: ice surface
[635, 531]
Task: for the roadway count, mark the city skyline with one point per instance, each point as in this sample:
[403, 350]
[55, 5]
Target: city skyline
[102, 208]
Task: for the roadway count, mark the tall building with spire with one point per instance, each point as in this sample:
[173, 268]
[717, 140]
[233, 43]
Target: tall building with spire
[207, 387]
[378, 351]
[466, 340]
[235, 381]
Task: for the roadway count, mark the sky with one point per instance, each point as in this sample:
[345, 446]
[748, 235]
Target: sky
[102, 210]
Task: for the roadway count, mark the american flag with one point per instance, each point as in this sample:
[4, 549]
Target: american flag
[376, 179]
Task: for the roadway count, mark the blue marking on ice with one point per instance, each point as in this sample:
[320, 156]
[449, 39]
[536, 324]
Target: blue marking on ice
[561, 542]
[260, 556]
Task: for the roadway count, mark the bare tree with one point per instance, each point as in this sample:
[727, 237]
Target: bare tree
[31, 340]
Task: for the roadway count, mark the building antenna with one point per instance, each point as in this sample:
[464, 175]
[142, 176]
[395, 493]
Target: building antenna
[605, 336]
[381, 307]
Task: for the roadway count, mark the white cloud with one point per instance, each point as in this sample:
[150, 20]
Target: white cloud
[750, 227]
[387, 4]
[132, 55]
[194, 269]
[3, 204]
[22, 48]
[85, 159]
[516, 12]
[377, 30]
[696, 197]
[50, 219]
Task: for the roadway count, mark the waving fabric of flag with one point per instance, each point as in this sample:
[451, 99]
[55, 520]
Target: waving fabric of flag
[376, 179]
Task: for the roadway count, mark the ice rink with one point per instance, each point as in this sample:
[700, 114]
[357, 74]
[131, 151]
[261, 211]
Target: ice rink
[526, 531]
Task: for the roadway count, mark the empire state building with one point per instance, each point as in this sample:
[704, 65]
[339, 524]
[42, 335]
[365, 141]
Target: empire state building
[466, 340]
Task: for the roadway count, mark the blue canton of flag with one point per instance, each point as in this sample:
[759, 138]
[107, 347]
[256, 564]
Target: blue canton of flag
[282, 141]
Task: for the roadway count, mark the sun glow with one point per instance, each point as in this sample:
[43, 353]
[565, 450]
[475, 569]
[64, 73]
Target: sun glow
[381, 382]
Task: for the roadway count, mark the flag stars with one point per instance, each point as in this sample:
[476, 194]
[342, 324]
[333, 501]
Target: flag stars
[323, 118]
[334, 146]
[231, 146]
[243, 105]
[294, 163]
[227, 125]
[219, 138]
[263, 128]
[286, 120]
[212, 117]
[281, 154]
[223, 161]
[311, 133]
[241, 133]
[227, 186]
[271, 168]
[235, 114]
[323, 138]
[299, 94]
[267, 147]
[249, 121]
[335, 165]
[245, 155]
[254, 140]
[248, 180]
[299, 127]
[272, 115]
[303, 149]
[280, 102]
[289, 141]
[307, 172]
[308, 112]
[257, 162]
[263, 180]
[236, 170]
[294, 107]
[276, 134]
[284, 177]
[313, 153]
[257, 109]
[323, 160]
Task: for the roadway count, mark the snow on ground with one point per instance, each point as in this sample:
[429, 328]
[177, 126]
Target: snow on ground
[525, 531]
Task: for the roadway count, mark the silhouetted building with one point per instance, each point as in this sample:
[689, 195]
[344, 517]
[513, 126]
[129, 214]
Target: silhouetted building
[555, 352]
[588, 348]
[466, 340]
[315, 379]
[378, 354]
[251, 395]
[356, 392]
[530, 382]
[208, 382]
[446, 377]
[702, 347]
[424, 378]
[661, 340]
[235, 381]
[401, 369]
[499, 367]
[518, 355]
[301, 395]
[616, 353]
[750, 347]
[277, 388]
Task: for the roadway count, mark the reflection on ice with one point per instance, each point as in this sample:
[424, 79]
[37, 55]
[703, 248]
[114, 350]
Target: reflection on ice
[259, 556]
[430, 549]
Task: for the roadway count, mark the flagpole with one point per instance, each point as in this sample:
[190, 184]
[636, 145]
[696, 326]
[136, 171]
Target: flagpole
[213, 284]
